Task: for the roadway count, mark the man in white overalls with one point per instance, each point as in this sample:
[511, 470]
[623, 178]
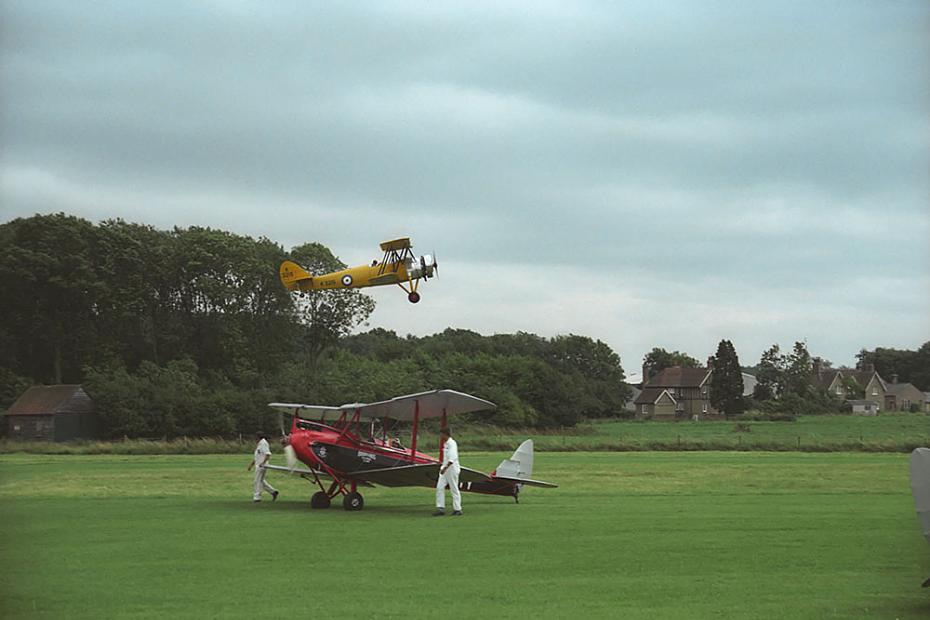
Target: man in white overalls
[262, 454]
[448, 475]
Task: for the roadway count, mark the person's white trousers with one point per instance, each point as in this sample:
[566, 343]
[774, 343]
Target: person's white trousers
[451, 477]
[260, 484]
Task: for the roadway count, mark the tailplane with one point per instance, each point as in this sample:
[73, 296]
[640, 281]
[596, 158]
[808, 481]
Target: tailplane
[519, 467]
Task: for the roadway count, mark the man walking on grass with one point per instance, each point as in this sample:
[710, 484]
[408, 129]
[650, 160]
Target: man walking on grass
[262, 454]
[448, 475]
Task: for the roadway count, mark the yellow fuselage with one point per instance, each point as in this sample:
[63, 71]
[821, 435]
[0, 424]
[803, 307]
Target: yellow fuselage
[295, 278]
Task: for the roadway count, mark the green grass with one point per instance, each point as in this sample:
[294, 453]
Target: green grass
[633, 535]
[834, 433]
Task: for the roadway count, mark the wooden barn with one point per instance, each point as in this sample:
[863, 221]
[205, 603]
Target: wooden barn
[52, 413]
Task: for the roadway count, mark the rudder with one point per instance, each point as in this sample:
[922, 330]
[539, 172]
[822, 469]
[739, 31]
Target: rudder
[294, 277]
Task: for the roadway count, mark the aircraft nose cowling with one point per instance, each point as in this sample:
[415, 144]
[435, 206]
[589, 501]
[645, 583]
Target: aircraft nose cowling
[424, 268]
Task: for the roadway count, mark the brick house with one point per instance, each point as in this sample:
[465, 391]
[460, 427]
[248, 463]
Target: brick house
[677, 393]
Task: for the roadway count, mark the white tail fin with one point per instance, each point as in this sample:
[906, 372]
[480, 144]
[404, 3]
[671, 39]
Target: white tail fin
[520, 465]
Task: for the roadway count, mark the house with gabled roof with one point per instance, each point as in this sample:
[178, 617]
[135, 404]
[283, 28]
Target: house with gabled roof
[687, 388]
[655, 403]
[902, 396]
[52, 413]
[833, 381]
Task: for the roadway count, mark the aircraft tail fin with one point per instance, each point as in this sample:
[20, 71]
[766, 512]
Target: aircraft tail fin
[294, 277]
[519, 468]
[520, 465]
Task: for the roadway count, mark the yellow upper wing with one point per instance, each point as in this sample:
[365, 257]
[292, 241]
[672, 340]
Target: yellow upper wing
[395, 244]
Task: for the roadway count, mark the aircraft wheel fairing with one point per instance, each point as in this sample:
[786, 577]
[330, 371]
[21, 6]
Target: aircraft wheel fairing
[413, 297]
[353, 501]
[319, 500]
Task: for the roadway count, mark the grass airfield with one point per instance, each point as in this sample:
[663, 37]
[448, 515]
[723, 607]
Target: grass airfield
[633, 535]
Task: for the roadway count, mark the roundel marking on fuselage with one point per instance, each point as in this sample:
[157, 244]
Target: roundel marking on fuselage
[347, 280]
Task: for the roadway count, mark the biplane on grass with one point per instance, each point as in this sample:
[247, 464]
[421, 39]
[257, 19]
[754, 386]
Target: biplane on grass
[350, 446]
[398, 266]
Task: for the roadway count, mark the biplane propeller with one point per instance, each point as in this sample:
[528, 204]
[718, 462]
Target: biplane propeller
[398, 266]
[341, 445]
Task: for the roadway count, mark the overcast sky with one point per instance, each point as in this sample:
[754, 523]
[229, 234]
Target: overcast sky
[649, 174]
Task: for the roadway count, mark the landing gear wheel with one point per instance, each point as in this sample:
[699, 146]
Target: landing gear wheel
[319, 500]
[413, 297]
[353, 501]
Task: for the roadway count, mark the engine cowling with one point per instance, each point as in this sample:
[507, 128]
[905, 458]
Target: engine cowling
[423, 268]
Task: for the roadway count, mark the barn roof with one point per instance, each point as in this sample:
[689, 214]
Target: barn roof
[52, 399]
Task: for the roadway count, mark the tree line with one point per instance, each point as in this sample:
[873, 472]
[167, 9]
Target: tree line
[189, 332]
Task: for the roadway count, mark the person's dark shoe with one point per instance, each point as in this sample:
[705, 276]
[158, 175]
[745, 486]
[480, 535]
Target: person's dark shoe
[457, 513]
[439, 512]
[274, 496]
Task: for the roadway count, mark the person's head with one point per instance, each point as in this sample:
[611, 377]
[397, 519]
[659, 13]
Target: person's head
[445, 432]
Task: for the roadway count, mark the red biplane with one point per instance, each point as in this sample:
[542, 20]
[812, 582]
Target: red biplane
[350, 446]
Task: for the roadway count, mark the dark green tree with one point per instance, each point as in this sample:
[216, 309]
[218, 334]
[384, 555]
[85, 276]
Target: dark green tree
[726, 382]
[798, 369]
[770, 374]
[659, 359]
[328, 314]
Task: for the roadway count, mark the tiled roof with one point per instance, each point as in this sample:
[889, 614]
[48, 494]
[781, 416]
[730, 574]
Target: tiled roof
[50, 399]
[899, 388]
[650, 395]
[676, 376]
[825, 377]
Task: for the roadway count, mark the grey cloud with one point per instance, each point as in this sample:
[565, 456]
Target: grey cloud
[763, 145]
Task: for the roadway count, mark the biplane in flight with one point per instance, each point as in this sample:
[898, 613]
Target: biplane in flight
[398, 266]
[349, 447]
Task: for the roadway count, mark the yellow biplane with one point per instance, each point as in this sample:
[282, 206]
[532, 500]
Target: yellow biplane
[399, 266]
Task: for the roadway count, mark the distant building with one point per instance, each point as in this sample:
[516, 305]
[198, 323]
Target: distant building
[832, 380]
[52, 413]
[864, 407]
[687, 390]
[900, 396]
[749, 384]
[630, 404]
[656, 404]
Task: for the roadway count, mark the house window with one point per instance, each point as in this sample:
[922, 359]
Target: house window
[704, 391]
[643, 410]
[839, 390]
[703, 407]
[874, 391]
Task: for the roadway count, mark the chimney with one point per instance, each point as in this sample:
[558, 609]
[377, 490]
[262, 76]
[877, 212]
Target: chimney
[869, 367]
[710, 363]
[894, 377]
[818, 367]
[645, 374]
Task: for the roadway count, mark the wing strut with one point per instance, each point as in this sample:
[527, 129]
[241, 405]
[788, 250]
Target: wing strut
[416, 421]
